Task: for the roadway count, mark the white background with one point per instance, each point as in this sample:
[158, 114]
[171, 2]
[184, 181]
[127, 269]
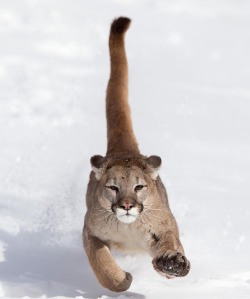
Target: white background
[190, 99]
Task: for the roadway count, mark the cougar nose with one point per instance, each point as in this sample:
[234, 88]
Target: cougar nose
[126, 205]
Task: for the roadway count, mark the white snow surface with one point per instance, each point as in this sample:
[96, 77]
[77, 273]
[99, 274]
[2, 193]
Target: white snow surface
[190, 100]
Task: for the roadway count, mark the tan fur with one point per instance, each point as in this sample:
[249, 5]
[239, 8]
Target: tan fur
[127, 204]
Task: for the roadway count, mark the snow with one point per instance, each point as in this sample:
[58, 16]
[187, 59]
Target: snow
[189, 75]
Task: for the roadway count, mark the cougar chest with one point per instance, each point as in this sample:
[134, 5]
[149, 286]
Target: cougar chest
[126, 238]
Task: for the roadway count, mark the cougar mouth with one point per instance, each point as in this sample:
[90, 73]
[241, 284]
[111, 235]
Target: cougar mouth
[126, 212]
[126, 217]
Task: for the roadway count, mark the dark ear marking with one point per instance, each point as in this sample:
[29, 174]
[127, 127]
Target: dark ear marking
[97, 165]
[154, 162]
[97, 161]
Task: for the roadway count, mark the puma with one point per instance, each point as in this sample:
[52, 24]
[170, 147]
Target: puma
[127, 204]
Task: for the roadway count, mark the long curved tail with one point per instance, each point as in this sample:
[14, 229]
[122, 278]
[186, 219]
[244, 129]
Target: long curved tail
[121, 138]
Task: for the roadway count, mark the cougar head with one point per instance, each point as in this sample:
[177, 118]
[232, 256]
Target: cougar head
[125, 184]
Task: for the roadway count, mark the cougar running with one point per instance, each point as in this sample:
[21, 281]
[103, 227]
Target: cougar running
[127, 204]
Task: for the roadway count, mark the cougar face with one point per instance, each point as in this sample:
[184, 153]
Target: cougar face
[126, 190]
[125, 185]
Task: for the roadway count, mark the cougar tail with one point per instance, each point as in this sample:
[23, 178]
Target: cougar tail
[121, 138]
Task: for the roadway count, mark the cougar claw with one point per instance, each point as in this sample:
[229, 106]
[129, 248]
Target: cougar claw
[172, 265]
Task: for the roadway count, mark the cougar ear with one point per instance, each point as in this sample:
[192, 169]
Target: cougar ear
[96, 164]
[154, 162]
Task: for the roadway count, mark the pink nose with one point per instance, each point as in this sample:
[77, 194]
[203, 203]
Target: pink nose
[127, 206]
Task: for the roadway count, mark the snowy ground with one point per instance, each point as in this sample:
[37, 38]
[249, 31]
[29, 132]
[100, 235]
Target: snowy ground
[189, 74]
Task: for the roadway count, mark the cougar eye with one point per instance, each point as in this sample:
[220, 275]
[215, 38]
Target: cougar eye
[114, 188]
[138, 188]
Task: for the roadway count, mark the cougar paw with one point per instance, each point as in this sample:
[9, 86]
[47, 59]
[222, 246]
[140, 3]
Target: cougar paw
[172, 264]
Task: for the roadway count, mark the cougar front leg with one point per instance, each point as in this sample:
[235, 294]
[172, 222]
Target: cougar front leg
[109, 274]
[168, 253]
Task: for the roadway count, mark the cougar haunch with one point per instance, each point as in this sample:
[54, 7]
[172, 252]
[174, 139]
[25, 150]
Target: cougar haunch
[127, 204]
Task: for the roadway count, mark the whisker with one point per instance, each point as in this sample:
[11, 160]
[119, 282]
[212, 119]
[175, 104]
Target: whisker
[103, 209]
[100, 212]
[146, 214]
[150, 209]
[142, 218]
[112, 220]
